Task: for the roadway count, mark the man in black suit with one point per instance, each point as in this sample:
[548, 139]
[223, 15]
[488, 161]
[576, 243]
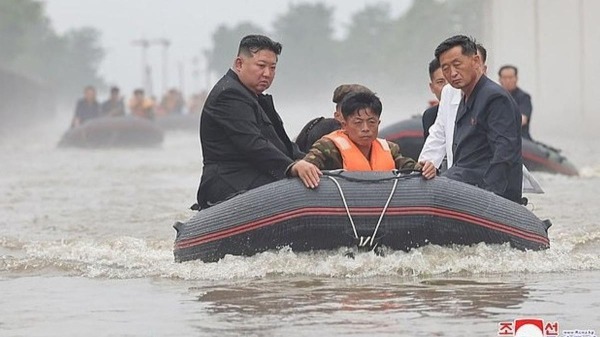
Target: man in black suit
[508, 80]
[438, 81]
[244, 144]
[487, 134]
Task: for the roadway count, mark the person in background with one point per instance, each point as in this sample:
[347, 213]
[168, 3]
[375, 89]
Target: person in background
[487, 136]
[244, 143]
[196, 102]
[508, 80]
[436, 84]
[355, 147]
[171, 103]
[141, 106]
[114, 105]
[320, 126]
[87, 108]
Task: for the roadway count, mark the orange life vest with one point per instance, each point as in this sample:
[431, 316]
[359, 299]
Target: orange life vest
[354, 160]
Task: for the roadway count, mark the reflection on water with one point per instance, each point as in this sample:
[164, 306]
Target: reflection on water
[451, 297]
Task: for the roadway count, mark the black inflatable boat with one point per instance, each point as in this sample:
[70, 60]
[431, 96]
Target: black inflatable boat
[122, 131]
[179, 122]
[408, 134]
[364, 209]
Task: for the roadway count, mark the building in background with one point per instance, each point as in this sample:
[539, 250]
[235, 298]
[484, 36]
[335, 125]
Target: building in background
[556, 46]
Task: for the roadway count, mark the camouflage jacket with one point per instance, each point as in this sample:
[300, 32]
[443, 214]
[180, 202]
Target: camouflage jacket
[326, 156]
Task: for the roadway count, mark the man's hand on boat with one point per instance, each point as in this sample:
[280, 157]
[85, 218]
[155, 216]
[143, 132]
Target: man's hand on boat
[307, 172]
[428, 169]
[310, 174]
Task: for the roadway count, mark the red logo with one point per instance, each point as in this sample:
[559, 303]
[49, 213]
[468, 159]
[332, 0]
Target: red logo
[528, 327]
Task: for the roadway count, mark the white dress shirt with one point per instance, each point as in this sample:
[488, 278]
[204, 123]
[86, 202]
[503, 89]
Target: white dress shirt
[441, 134]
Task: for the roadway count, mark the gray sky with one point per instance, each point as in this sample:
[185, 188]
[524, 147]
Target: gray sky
[189, 25]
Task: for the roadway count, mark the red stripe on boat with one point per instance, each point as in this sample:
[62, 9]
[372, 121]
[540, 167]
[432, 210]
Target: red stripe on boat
[549, 163]
[275, 219]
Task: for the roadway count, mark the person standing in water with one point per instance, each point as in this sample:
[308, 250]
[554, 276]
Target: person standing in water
[508, 80]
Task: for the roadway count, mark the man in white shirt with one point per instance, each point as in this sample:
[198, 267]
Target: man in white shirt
[438, 144]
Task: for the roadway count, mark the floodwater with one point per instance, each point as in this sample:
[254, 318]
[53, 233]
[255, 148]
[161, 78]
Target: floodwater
[86, 243]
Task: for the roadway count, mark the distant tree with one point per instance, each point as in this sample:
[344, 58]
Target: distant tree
[363, 51]
[30, 47]
[22, 24]
[225, 45]
[415, 35]
[310, 54]
[83, 55]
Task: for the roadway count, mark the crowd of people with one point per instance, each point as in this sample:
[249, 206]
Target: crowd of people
[139, 105]
[477, 127]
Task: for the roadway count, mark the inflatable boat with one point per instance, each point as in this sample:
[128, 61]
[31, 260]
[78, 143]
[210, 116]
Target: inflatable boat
[179, 122]
[408, 134]
[123, 131]
[357, 209]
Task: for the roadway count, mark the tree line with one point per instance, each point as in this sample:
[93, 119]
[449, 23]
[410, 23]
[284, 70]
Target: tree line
[376, 47]
[31, 49]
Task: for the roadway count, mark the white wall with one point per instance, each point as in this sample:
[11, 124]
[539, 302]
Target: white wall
[556, 46]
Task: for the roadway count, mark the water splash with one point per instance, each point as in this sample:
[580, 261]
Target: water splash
[129, 257]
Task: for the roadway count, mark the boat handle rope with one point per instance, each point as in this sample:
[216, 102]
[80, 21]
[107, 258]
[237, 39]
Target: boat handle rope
[362, 241]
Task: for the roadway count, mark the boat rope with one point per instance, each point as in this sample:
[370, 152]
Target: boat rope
[362, 241]
[345, 204]
[387, 203]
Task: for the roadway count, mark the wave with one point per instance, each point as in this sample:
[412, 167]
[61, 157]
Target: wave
[129, 257]
[590, 171]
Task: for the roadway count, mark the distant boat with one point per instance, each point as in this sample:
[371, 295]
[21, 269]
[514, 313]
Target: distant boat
[106, 132]
[179, 122]
[408, 134]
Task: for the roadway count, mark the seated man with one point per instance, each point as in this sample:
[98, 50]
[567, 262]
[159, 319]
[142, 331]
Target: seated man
[355, 147]
[114, 105]
[140, 105]
[320, 126]
[438, 81]
[244, 143]
[87, 107]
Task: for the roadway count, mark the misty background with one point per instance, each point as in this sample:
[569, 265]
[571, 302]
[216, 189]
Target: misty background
[52, 49]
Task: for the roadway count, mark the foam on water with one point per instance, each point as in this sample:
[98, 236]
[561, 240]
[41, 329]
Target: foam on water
[130, 257]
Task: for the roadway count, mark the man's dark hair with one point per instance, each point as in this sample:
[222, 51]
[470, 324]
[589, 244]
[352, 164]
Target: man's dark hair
[138, 92]
[114, 90]
[468, 45]
[251, 44]
[482, 53]
[508, 66]
[356, 101]
[433, 66]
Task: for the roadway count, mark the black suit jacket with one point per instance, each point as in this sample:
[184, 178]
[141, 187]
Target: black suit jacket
[314, 130]
[428, 119]
[524, 103]
[244, 144]
[487, 141]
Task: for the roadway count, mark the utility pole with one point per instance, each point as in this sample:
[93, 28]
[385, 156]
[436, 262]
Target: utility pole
[144, 44]
[165, 43]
